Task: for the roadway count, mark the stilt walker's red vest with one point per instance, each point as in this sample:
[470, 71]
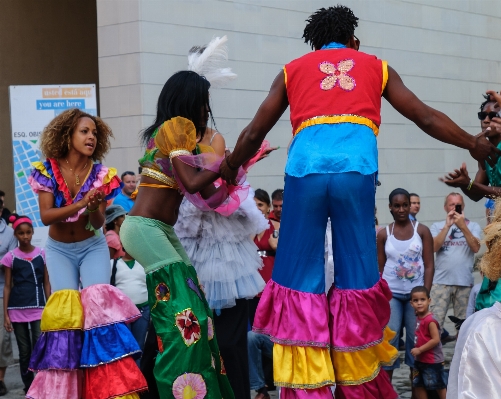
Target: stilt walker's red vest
[349, 82]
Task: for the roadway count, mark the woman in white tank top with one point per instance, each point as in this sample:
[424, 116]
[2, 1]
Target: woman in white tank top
[405, 257]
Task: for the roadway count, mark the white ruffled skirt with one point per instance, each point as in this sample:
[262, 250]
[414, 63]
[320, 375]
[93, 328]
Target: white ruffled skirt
[222, 250]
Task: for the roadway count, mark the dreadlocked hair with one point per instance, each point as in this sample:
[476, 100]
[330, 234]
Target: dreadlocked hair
[334, 24]
[488, 100]
[490, 264]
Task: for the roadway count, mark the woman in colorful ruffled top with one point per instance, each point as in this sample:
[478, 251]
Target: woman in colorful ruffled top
[188, 362]
[73, 188]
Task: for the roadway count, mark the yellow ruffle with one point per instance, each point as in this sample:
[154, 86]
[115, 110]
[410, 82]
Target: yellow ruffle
[112, 172]
[302, 367]
[333, 119]
[385, 75]
[63, 311]
[133, 395]
[41, 168]
[176, 134]
[355, 368]
[205, 149]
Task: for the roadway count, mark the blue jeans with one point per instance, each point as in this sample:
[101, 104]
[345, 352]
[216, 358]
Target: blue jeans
[139, 328]
[86, 261]
[402, 314]
[258, 345]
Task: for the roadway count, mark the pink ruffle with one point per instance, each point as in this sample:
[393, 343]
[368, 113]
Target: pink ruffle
[378, 388]
[293, 317]
[358, 317]
[36, 186]
[320, 393]
[104, 304]
[51, 384]
[228, 198]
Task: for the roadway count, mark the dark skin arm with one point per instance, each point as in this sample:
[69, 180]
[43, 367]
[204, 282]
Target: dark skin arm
[433, 122]
[6, 294]
[253, 135]
[428, 259]
[195, 180]
[480, 187]
[46, 283]
[381, 253]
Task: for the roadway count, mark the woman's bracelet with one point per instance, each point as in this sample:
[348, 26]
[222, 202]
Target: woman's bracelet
[92, 211]
[470, 185]
[229, 164]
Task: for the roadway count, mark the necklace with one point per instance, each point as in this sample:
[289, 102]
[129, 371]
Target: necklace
[77, 177]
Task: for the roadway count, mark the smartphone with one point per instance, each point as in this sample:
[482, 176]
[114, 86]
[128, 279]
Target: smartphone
[275, 234]
[458, 209]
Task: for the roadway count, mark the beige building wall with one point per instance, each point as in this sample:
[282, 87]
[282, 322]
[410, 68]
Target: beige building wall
[447, 52]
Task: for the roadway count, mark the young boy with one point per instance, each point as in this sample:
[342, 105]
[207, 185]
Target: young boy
[428, 367]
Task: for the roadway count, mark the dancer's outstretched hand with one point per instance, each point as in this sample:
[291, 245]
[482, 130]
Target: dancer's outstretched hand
[458, 178]
[484, 150]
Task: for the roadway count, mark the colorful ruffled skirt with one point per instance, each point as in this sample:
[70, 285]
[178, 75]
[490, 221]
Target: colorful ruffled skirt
[85, 349]
[189, 364]
[340, 338]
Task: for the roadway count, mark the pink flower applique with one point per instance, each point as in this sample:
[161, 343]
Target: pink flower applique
[189, 385]
[337, 75]
[188, 326]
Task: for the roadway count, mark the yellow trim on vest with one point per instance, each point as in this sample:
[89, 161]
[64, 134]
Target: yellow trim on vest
[285, 76]
[385, 75]
[332, 119]
[63, 311]
[304, 367]
[355, 368]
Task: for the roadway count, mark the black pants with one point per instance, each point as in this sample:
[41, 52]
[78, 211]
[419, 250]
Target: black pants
[148, 358]
[25, 343]
[231, 332]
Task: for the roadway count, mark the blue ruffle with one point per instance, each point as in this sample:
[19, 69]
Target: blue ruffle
[107, 344]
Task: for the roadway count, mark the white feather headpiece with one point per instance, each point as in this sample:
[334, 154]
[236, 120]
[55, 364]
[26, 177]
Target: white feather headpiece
[208, 61]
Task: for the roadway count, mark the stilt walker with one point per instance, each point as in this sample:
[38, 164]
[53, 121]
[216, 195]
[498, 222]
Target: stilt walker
[334, 95]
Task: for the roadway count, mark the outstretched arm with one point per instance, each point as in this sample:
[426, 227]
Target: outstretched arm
[435, 123]
[194, 180]
[253, 135]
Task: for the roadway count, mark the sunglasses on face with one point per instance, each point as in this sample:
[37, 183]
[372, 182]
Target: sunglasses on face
[482, 115]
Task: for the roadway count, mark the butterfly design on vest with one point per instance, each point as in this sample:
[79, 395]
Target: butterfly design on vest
[337, 74]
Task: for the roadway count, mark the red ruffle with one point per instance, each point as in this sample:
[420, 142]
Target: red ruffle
[358, 317]
[112, 185]
[113, 379]
[62, 187]
[378, 388]
[292, 317]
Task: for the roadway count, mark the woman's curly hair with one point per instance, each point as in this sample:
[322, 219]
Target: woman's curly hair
[490, 264]
[55, 140]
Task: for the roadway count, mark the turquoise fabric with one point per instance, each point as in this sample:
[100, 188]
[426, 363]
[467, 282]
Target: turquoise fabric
[494, 174]
[333, 148]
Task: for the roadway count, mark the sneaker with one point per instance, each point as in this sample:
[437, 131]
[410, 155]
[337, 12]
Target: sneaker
[3, 388]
